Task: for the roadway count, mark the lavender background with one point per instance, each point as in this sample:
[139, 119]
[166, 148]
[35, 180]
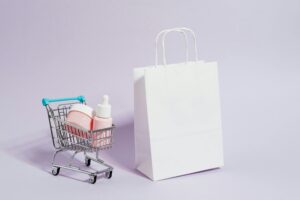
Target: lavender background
[65, 48]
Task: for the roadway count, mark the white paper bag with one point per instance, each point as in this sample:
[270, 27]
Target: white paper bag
[177, 117]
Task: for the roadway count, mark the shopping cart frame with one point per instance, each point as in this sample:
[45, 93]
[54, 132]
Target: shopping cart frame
[69, 137]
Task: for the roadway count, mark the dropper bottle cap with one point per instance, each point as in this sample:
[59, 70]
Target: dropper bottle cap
[103, 110]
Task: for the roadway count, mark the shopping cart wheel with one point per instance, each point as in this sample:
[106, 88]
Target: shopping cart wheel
[93, 179]
[108, 175]
[87, 162]
[55, 171]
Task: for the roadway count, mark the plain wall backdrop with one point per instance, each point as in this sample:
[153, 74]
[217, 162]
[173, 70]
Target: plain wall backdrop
[69, 47]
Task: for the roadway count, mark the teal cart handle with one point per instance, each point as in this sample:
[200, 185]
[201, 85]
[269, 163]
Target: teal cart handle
[46, 101]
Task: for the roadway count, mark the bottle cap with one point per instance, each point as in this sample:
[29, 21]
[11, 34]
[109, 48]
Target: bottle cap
[103, 110]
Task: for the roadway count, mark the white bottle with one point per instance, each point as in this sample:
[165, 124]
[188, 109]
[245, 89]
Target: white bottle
[102, 119]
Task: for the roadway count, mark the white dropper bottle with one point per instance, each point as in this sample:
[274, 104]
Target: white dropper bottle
[102, 119]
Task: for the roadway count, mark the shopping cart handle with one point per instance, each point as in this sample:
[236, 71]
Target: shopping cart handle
[46, 101]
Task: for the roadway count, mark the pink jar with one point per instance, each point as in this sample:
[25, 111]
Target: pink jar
[81, 116]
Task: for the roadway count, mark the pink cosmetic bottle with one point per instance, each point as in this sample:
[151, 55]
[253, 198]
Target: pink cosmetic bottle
[102, 120]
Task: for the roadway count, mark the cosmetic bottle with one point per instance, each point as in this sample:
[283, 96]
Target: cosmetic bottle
[102, 120]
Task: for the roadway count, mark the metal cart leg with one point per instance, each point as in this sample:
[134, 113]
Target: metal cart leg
[109, 169]
[55, 167]
[93, 175]
[72, 158]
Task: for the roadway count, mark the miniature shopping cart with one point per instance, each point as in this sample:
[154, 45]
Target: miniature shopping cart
[68, 137]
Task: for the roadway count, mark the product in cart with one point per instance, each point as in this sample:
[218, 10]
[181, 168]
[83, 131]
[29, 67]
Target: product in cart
[81, 115]
[69, 133]
[102, 119]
